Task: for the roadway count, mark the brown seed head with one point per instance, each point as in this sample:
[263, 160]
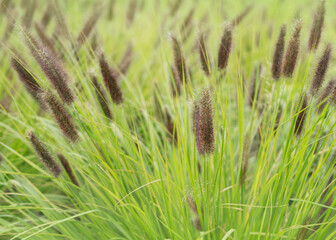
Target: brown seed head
[203, 123]
[52, 67]
[179, 60]
[225, 48]
[321, 71]
[111, 80]
[44, 155]
[62, 117]
[317, 27]
[68, 169]
[204, 55]
[278, 54]
[292, 51]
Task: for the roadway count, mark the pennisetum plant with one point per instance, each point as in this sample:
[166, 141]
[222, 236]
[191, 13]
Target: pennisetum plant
[44, 155]
[225, 48]
[111, 80]
[278, 54]
[62, 117]
[317, 27]
[292, 51]
[203, 123]
[179, 60]
[321, 71]
[52, 67]
[68, 169]
[28, 80]
[204, 54]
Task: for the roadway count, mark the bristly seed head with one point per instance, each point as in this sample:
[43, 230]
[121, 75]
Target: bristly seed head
[62, 117]
[179, 60]
[68, 169]
[292, 51]
[111, 80]
[44, 155]
[204, 55]
[52, 67]
[28, 79]
[225, 48]
[203, 123]
[278, 54]
[317, 27]
[321, 71]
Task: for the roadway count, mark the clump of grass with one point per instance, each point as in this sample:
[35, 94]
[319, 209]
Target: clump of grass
[68, 169]
[321, 71]
[292, 51]
[203, 123]
[52, 67]
[317, 27]
[225, 48]
[44, 155]
[62, 117]
[111, 80]
[278, 54]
